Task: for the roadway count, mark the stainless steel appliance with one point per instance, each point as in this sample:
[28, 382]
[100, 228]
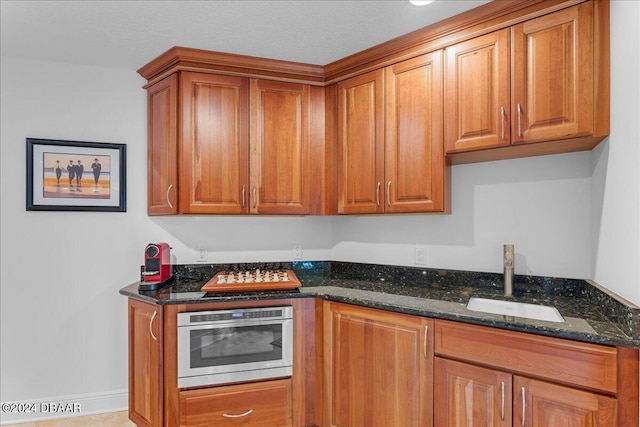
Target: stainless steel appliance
[228, 346]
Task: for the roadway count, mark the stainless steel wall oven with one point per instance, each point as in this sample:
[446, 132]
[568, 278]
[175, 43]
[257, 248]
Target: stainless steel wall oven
[228, 346]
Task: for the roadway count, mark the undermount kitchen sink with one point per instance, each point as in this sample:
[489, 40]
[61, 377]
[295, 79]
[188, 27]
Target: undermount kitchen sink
[517, 309]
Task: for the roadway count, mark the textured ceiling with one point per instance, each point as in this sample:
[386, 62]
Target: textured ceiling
[128, 34]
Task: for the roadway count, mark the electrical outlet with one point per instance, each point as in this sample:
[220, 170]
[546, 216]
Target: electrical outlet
[297, 251]
[202, 255]
[420, 255]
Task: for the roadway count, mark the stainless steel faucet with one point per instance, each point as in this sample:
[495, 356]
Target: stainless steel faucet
[508, 262]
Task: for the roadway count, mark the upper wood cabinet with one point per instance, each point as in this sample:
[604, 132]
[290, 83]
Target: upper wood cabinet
[361, 143]
[534, 82]
[552, 80]
[414, 154]
[240, 145]
[280, 147]
[214, 143]
[477, 93]
[390, 150]
[162, 147]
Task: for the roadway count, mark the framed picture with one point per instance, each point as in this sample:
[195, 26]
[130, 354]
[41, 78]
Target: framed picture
[76, 176]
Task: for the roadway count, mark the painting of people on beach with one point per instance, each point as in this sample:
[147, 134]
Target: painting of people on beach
[72, 175]
[69, 175]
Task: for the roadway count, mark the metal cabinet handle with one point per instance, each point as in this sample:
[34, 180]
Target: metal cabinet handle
[502, 114]
[519, 120]
[169, 201]
[155, 338]
[255, 197]
[389, 193]
[524, 405]
[378, 194]
[244, 414]
[424, 347]
[502, 400]
[243, 195]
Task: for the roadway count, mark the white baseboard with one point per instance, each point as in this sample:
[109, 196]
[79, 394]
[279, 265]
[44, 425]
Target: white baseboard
[63, 407]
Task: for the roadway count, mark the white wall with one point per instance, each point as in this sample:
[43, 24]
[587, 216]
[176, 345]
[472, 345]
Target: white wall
[539, 204]
[616, 164]
[63, 323]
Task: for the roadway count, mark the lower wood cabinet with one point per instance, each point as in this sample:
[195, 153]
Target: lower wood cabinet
[145, 364]
[378, 368]
[364, 367]
[540, 403]
[466, 394]
[471, 395]
[496, 378]
[260, 404]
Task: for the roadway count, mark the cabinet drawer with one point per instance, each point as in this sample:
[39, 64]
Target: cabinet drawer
[260, 404]
[585, 365]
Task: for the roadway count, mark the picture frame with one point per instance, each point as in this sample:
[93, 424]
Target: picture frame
[76, 176]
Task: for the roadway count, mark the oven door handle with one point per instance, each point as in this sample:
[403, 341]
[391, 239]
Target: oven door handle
[244, 414]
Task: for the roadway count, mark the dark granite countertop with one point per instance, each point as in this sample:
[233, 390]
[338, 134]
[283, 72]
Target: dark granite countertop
[590, 314]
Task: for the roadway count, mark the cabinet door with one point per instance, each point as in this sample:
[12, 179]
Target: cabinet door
[162, 145]
[361, 144]
[378, 368]
[414, 153]
[468, 395]
[477, 93]
[553, 76]
[145, 364]
[541, 404]
[214, 156]
[280, 149]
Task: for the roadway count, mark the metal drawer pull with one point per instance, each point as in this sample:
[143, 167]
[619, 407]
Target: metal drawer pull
[519, 124]
[502, 114]
[424, 348]
[238, 415]
[169, 201]
[155, 338]
[524, 405]
[378, 194]
[502, 401]
[255, 197]
[389, 193]
[243, 195]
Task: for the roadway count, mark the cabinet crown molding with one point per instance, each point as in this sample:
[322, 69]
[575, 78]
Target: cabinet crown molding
[472, 23]
[180, 58]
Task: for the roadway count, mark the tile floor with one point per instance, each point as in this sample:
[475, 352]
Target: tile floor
[112, 419]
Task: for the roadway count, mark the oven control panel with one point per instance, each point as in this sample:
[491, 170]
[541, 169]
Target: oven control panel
[236, 315]
[263, 313]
